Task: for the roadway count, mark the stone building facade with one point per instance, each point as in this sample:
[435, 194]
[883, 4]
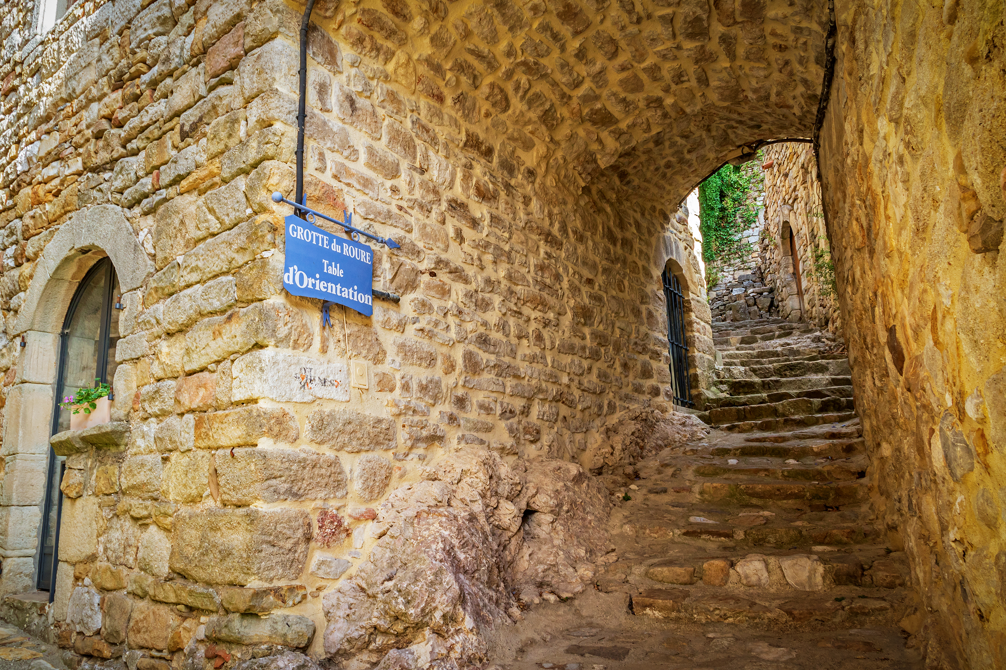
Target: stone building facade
[528, 158]
[260, 470]
[794, 244]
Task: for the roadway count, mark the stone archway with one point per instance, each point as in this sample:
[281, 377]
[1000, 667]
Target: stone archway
[81, 242]
[791, 305]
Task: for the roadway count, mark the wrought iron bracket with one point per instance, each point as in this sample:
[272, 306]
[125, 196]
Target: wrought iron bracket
[346, 223]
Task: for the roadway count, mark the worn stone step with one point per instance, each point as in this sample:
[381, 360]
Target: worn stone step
[786, 369]
[831, 449]
[829, 494]
[865, 566]
[840, 471]
[735, 533]
[746, 385]
[849, 430]
[780, 396]
[791, 422]
[856, 608]
[770, 334]
[787, 408]
[736, 358]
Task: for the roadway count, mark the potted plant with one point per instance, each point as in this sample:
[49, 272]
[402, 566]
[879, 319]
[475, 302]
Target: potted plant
[89, 406]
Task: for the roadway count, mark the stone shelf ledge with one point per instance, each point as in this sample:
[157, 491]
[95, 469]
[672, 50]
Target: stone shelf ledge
[112, 436]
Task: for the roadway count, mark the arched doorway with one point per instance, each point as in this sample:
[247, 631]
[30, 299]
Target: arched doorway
[676, 301]
[87, 343]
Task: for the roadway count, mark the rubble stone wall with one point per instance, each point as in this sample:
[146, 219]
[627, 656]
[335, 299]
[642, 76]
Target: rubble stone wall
[528, 160]
[793, 208]
[912, 160]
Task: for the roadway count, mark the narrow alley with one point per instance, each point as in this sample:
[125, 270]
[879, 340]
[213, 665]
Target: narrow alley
[751, 548]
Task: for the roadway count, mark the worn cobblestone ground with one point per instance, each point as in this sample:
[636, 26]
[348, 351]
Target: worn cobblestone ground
[19, 651]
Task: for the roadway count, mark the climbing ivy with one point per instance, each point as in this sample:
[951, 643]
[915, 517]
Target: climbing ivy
[725, 212]
[823, 270]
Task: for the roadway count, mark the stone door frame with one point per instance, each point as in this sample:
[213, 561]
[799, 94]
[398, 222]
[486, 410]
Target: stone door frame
[78, 244]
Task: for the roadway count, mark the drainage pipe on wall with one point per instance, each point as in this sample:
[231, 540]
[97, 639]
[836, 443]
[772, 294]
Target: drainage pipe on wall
[302, 105]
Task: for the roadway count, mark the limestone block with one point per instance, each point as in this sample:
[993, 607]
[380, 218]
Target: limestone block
[112, 436]
[176, 433]
[84, 610]
[183, 593]
[158, 399]
[371, 476]
[716, 572]
[805, 573]
[67, 443]
[261, 600]
[196, 392]
[106, 480]
[186, 477]
[151, 626]
[119, 542]
[155, 20]
[228, 204]
[351, 431]
[284, 629]
[106, 577]
[154, 551]
[328, 566]
[272, 475]
[72, 485]
[23, 481]
[78, 537]
[274, 143]
[141, 476]
[218, 546]
[64, 588]
[753, 571]
[117, 608]
[222, 16]
[672, 574]
[244, 426]
[286, 377]
[37, 359]
[228, 251]
[26, 420]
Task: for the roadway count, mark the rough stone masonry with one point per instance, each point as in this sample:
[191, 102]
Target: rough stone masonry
[528, 157]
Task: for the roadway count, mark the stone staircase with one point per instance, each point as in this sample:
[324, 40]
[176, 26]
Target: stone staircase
[777, 375]
[756, 544]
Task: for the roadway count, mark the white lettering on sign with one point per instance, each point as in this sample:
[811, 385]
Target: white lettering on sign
[301, 280]
[332, 268]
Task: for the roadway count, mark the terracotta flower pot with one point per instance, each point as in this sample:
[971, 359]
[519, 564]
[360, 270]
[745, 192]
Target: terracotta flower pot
[102, 413]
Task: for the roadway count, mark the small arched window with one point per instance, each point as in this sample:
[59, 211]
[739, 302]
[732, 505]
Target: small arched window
[86, 353]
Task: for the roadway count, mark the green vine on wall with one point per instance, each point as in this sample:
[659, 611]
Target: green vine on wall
[726, 210]
[823, 270]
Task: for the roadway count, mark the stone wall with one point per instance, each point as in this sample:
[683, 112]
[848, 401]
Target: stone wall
[793, 207]
[742, 290]
[912, 160]
[521, 156]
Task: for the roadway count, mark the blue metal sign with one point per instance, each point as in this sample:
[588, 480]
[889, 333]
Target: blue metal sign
[321, 265]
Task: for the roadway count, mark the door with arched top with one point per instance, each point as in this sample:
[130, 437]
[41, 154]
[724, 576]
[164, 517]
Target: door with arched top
[86, 354]
[676, 339]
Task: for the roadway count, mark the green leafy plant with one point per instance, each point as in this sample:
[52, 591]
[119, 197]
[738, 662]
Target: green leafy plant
[823, 270]
[726, 211]
[85, 399]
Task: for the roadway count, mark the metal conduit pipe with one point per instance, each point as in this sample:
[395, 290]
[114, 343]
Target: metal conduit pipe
[302, 105]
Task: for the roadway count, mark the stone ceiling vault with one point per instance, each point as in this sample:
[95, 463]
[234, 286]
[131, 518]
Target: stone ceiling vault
[635, 98]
